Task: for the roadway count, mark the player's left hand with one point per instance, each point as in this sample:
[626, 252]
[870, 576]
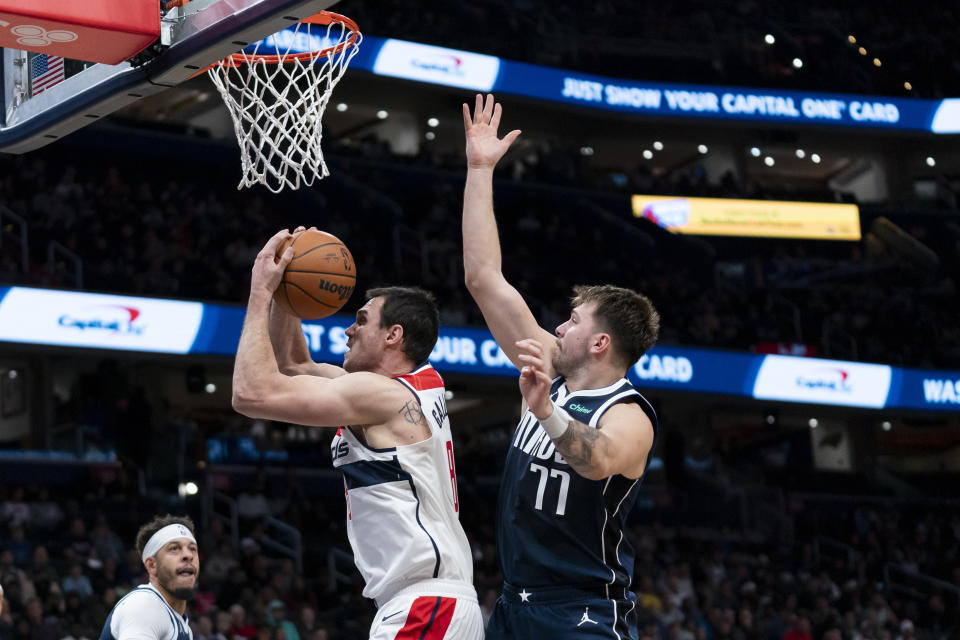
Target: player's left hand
[267, 270]
[534, 381]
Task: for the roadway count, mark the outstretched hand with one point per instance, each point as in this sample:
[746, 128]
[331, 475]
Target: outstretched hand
[534, 381]
[484, 148]
[268, 268]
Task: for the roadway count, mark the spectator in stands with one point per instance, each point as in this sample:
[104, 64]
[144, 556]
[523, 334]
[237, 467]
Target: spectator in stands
[39, 625]
[106, 543]
[76, 544]
[15, 511]
[77, 582]
[19, 588]
[239, 626]
[277, 618]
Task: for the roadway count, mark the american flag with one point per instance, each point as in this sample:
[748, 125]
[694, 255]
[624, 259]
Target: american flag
[45, 71]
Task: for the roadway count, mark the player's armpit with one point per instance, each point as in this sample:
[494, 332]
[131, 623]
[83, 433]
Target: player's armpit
[508, 317]
[619, 446]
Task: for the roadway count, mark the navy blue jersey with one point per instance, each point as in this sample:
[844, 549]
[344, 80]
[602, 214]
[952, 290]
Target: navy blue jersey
[556, 527]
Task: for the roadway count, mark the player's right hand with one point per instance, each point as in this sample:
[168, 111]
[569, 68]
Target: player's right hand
[267, 270]
[484, 148]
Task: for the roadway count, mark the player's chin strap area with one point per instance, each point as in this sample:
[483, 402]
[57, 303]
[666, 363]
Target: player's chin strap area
[165, 535]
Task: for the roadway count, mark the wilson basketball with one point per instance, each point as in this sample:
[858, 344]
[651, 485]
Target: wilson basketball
[319, 279]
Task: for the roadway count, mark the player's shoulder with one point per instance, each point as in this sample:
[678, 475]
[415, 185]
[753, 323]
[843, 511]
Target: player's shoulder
[142, 605]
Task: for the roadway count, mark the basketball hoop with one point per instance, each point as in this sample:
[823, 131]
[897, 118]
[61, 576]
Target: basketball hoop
[277, 99]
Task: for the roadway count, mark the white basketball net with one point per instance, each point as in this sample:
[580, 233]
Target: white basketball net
[276, 105]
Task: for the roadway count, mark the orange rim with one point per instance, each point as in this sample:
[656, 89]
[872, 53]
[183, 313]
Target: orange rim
[322, 18]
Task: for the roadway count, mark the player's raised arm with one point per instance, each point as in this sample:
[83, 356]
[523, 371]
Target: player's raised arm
[504, 310]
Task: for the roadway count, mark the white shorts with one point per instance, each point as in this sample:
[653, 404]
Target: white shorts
[430, 610]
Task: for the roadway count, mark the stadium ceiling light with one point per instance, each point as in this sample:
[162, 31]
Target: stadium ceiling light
[658, 145]
[341, 107]
[851, 40]
[908, 86]
[876, 62]
[814, 423]
[801, 153]
[433, 122]
[886, 426]
[769, 161]
[815, 157]
[931, 162]
[210, 387]
[769, 39]
[702, 148]
[382, 114]
[770, 418]
[430, 135]
[755, 152]
[797, 63]
[862, 51]
[647, 154]
[586, 151]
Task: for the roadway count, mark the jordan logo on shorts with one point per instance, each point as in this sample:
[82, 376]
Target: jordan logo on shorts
[586, 617]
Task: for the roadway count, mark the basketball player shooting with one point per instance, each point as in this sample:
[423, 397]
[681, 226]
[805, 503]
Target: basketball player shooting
[576, 460]
[393, 445]
[157, 610]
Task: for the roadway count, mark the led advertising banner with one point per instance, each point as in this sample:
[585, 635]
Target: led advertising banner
[468, 70]
[755, 218]
[96, 321]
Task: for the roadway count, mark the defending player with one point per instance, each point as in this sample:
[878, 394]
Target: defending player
[157, 610]
[576, 460]
[393, 445]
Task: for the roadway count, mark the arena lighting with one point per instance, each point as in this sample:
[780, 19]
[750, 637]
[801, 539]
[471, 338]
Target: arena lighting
[382, 114]
[908, 86]
[702, 148]
[851, 40]
[648, 154]
[862, 51]
[876, 62]
[886, 426]
[185, 489]
[341, 107]
[931, 161]
[448, 394]
[433, 122]
[815, 158]
[769, 161]
[801, 153]
[658, 145]
[769, 39]
[813, 422]
[586, 151]
[430, 135]
[770, 419]
[797, 63]
[755, 152]
[210, 387]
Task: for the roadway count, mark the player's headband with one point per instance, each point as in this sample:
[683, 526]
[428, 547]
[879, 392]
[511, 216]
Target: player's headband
[165, 535]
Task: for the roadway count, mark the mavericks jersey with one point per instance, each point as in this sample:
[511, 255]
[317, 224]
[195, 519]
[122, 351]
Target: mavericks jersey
[403, 517]
[144, 614]
[555, 527]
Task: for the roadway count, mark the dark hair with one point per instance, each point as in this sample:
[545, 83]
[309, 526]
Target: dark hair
[146, 531]
[415, 310]
[629, 318]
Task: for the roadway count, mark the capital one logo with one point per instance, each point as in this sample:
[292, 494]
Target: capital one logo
[30, 35]
[831, 379]
[115, 319]
[440, 62]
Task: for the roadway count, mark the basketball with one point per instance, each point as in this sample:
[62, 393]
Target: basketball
[319, 279]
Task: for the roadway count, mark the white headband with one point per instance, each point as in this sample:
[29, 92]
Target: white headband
[165, 535]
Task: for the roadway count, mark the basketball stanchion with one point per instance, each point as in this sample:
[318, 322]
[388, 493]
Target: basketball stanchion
[276, 95]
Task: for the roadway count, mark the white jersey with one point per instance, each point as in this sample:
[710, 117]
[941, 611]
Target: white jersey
[403, 517]
[144, 614]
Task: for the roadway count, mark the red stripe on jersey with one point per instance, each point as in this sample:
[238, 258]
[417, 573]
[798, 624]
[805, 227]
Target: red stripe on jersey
[428, 619]
[423, 380]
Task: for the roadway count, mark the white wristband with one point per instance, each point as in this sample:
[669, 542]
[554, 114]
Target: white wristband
[557, 423]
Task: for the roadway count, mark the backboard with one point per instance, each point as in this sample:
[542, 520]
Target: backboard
[36, 110]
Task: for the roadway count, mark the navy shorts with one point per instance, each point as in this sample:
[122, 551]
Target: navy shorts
[521, 614]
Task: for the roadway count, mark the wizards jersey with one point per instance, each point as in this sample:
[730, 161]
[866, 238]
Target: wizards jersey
[556, 527]
[403, 517]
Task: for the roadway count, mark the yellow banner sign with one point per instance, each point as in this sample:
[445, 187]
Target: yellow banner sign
[759, 218]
